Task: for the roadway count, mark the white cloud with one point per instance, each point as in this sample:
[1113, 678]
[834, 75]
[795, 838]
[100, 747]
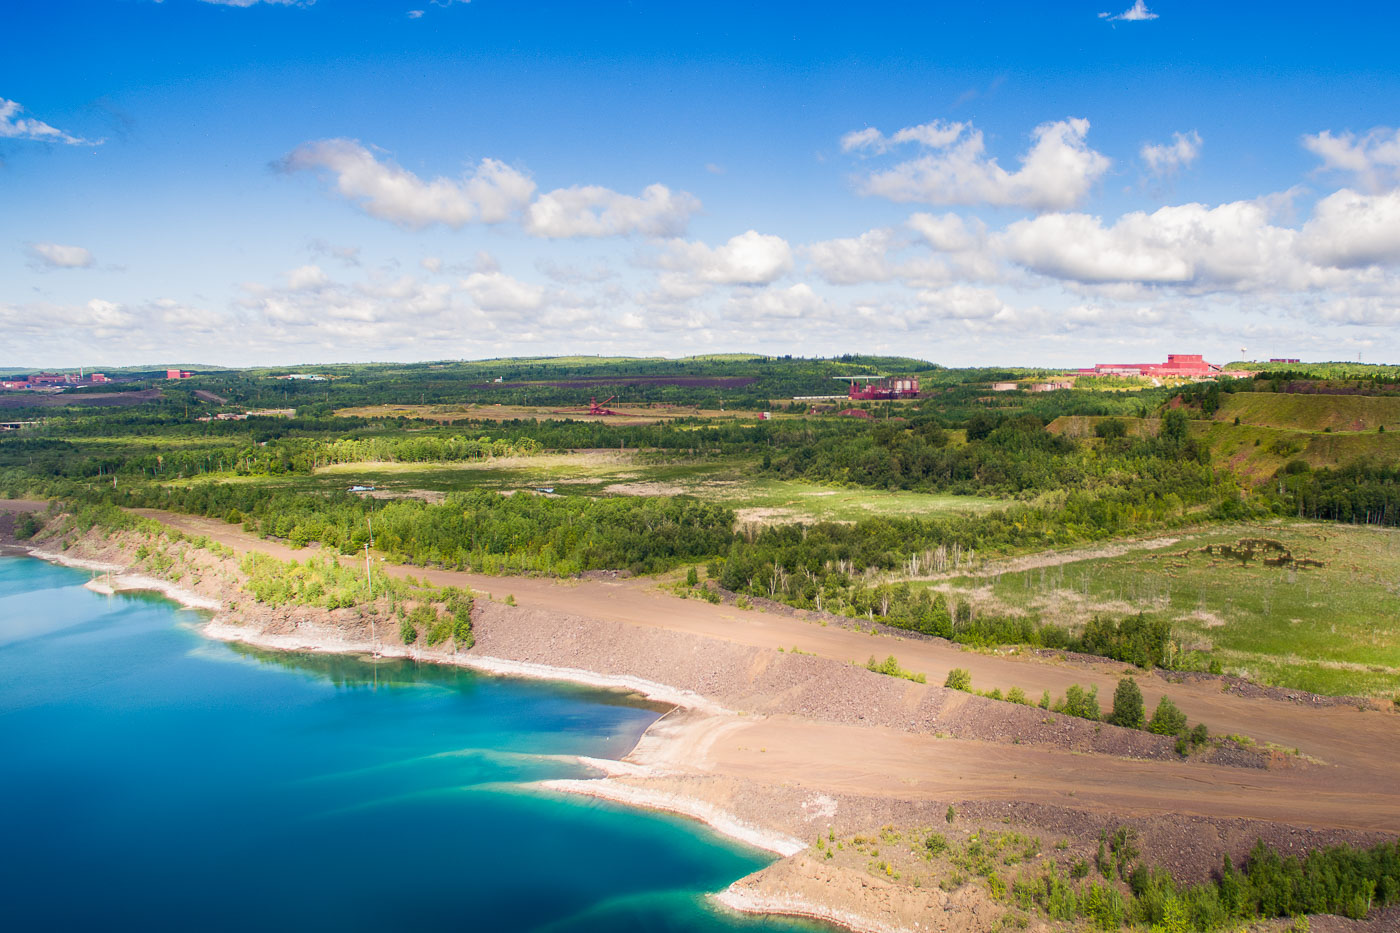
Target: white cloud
[496, 291]
[961, 303]
[58, 256]
[1188, 244]
[853, 260]
[1164, 159]
[248, 3]
[1056, 173]
[1374, 159]
[593, 211]
[949, 233]
[934, 135]
[1136, 13]
[796, 302]
[1349, 229]
[306, 278]
[415, 14]
[14, 126]
[751, 258]
[491, 193]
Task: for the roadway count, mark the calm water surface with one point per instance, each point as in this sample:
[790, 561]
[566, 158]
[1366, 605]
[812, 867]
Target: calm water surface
[152, 779]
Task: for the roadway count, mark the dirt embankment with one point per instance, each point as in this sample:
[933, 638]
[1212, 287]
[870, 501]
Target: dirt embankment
[777, 745]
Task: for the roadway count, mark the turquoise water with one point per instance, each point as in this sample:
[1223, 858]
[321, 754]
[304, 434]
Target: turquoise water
[152, 779]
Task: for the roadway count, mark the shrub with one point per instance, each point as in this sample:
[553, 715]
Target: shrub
[1167, 719]
[1127, 705]
[959, 678]
[1080, 702]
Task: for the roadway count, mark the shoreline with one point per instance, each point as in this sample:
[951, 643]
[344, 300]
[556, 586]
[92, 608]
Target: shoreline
[605, 787]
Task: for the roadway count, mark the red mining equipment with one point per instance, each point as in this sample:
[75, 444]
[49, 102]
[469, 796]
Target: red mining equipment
[594, 408]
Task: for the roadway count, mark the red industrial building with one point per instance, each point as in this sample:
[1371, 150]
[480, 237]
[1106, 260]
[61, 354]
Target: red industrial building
[178, 374]
[1185, 365]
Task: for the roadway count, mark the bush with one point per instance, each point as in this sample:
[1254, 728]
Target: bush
[959, 678]
[1167, 719]
[1128, 709]
[1080, 702]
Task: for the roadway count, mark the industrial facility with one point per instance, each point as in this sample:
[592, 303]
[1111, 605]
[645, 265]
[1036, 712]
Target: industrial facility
[1182, 365]
[880, 388]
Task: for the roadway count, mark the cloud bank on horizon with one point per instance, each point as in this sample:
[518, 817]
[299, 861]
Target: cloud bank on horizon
[653, 199]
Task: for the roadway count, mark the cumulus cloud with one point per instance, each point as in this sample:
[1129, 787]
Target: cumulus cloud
[306, 278]
[1188, 244]
[490, 193]
[593, 211]
[1166, 159]
[15, 126]
[496, 291]
[751, 258]
[1056, 173]
[1136, 13]
[796, 302]
[58, 256]
[1349, 229]
[852, 260]
[949, 233]
[1373, 159]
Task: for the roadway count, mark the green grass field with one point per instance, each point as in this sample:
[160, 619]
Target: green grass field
[1333, 629]
[730, 482]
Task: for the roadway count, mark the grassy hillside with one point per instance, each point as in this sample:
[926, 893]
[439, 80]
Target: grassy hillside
[1311, 412]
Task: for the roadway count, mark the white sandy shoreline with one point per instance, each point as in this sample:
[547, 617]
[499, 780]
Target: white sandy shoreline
[221, 629]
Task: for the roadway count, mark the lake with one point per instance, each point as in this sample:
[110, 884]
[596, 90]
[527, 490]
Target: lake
[155, 779]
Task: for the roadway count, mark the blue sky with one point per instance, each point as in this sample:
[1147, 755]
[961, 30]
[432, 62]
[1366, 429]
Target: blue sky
[264, 182]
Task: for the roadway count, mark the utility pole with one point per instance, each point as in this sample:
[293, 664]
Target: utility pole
[373, 635]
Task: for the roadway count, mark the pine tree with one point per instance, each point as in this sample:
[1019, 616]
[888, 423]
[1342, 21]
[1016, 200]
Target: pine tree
[1128, 709]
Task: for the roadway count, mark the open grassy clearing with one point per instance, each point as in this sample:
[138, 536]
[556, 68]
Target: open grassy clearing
[730, 482]
[1333, 629]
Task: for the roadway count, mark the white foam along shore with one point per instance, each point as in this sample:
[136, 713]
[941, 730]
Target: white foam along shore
[319, 639]
[723, 822]
[746, 901]
[117, 580]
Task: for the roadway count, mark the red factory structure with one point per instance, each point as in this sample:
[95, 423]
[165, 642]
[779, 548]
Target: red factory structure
[879, 388]
[1187, 365]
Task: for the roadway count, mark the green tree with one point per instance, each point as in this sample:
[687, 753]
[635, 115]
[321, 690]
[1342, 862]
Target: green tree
[1128, 708]
[1167, 719]
[959, 678]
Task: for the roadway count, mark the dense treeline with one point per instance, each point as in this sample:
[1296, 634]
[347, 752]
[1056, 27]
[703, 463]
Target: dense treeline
[1359, 492]
[477, 530]
[1009, 456]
